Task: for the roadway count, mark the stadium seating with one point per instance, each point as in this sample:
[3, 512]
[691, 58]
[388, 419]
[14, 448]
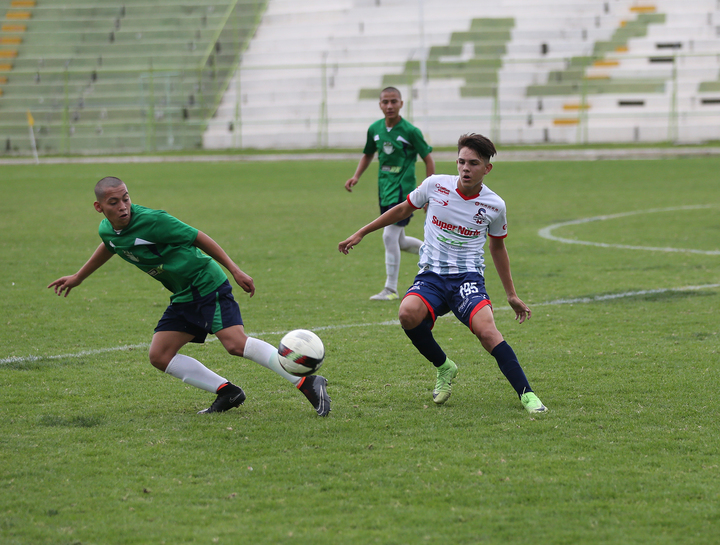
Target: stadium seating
[143, 75]
[132, 75]
[522, 72]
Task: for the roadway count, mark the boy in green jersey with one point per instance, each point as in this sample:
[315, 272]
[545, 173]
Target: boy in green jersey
[185, 261]
[398, 144]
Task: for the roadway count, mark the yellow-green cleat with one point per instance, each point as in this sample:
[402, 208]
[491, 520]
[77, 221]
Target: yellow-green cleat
[443, 386]
[386, 295]
[532, 403]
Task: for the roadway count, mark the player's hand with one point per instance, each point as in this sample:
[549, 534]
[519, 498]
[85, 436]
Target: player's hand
[350, 183]
[346, 245]
[65, 284]
[245, 282]
[522, 311]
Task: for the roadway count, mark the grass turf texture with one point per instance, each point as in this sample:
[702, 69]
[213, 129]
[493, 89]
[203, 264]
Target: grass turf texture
[100, 448]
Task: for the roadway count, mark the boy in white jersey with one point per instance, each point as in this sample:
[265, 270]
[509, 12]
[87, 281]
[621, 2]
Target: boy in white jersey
[185, 260]
[461, 213]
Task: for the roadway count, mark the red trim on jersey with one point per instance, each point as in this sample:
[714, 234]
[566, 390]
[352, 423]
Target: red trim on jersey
[493, 236]
[411, 204]
[430, 309]
[480, 305]
[467, 198]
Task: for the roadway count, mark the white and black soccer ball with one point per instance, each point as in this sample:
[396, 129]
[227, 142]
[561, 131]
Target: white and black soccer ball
[301, 353]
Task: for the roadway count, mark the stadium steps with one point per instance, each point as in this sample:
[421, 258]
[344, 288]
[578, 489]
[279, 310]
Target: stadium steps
[474, 55]
[91, 72]
[575, 79]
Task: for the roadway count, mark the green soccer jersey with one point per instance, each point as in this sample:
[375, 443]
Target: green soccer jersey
[162, 246]
[397, 151]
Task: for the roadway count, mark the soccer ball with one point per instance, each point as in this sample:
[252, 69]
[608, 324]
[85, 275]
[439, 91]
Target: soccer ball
[301, 352]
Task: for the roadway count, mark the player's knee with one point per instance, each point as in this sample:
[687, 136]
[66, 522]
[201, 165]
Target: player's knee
[391, 237]
[159, 360]
[409, 317]
[235, 347]
[489, 338]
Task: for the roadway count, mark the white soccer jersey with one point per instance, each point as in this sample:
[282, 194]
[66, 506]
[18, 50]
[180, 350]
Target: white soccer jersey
[456, 226]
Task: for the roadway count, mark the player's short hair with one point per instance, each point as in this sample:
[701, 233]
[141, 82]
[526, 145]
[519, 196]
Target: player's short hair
[392, 90]
[106, 183]
[479, 144]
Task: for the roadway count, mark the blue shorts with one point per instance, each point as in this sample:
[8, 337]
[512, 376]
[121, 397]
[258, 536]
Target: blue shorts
[464, 294]
[208, 314]
[401, 223]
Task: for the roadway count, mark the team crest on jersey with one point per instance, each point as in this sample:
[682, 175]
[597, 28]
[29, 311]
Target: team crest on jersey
[388, 148]
[130, 256]
[480, 217]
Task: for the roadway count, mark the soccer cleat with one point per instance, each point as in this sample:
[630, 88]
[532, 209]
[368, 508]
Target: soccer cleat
[532, 403]
[229, 396]
[443, 386]
[315, 389]
[385, 295]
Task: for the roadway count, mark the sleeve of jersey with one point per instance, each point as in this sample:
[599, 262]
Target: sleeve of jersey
[418, 196]
[170, 230]
[419, 143]
[498, 228]
[370, 146]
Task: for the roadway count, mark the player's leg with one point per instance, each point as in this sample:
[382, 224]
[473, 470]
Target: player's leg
[484, 328]
[409, 244]
[416, 314]
[237, 343]
[164, 356]
[233, 337]
[394, 240]
[391, 241]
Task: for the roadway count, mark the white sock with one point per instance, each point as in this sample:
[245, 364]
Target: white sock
[410, 245]
[192, 372]
[266, 355]
[391, 239]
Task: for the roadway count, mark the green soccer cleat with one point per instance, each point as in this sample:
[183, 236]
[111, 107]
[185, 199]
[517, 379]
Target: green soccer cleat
[532, 403]
[443, 386]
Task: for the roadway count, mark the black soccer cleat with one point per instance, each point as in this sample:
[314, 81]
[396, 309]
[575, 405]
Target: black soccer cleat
[229, 397]
[315, 389]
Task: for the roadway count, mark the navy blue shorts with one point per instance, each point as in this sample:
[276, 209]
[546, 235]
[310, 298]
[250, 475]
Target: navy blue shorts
[464, 294]
[401, 223]
[209, 314]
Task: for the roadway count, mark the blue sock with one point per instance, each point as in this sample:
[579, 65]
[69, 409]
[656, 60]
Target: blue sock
[510, 367]
[422, 337]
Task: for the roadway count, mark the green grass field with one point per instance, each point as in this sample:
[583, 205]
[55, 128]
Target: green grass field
[100, 448]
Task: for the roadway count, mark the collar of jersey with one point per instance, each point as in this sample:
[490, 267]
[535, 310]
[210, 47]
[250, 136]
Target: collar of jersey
[463, 197]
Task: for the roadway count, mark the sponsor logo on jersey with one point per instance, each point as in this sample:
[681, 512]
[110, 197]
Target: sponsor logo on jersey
[441, 189]
[391, 170]
[156, 271]
[488, 206]
[458, 229]
[441, 203]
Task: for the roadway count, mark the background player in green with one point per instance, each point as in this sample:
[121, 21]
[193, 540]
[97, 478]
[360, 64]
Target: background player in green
[398, 143]
[186, 261]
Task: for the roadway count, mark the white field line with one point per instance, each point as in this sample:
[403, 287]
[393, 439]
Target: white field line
[546, 232]
[578, 300]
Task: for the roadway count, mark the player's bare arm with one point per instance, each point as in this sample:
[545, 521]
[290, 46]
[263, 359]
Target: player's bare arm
[429, 165]
[214, 250]
[364, 163]
[501, 260]
[100, 256]
[394, 215]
